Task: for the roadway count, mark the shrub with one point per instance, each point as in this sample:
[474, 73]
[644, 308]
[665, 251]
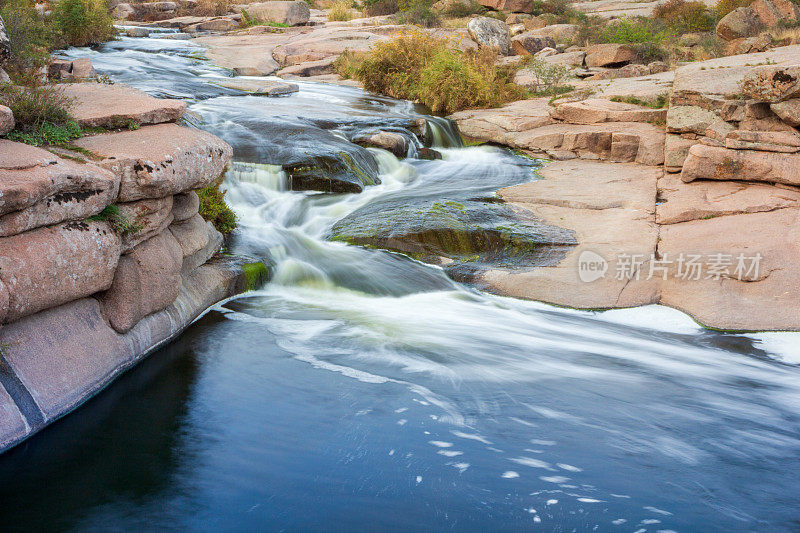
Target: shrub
[633, 31]
[418, 14]
[464, 9]
[83, 22]
[376, 8]
[36, 105]
[681, 16]
[340, 10]
[29, 35]
[723, 7]
[550, 78]
[589, 30]
[347, 64]
[556, 11]
[214, 208]
[212, 8]
[418, 67]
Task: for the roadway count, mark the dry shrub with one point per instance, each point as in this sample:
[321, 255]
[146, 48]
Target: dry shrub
[340, 11]
[681, 16]
[723, 7]
[378, 8]
[212, 8]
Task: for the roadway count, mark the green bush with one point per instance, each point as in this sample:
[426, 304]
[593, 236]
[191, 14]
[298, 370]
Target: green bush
[83, 22]
[418, 67]
[30, 36]
[36, 105]
[681, 16]
[214, 208]
[550, 78]
[634, 30]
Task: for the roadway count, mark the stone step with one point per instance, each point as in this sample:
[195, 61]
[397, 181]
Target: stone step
[115, 106]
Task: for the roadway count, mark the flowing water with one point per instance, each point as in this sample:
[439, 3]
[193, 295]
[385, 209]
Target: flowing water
[362, 390]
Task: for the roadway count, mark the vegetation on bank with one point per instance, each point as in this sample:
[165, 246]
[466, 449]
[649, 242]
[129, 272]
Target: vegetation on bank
[214, 208]
[418, 67]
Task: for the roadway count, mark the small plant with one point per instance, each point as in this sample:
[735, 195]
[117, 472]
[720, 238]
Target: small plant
[340, 11]
[635, 30]
[120, 222]
[214, 208]
[48, 134]
[549, 78]
[83, 22]
[36, 105]
[661, 101]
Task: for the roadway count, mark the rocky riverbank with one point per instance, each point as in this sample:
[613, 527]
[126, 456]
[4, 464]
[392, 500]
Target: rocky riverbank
[104, 257]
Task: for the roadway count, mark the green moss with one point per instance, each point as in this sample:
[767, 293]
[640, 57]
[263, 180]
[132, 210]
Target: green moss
[255, 275]
[214, 209]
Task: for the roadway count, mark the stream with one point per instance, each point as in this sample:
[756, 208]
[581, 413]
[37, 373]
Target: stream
[363, 390]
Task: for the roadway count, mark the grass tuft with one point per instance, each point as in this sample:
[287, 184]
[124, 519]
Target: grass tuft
[340, 11]
[214, 209]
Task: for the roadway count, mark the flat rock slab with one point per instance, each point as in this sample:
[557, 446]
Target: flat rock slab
[328, 42]
[764, 300]
[594, 110]
[700, 200]
[718, 163]
[49, 190]
[160, 160]
[114, 106]
[260, 87]
[646, 88]
[495, 124]
[49, 266]
[245, 55]
[611, 209]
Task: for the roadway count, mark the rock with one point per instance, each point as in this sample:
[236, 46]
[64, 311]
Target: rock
[137, 31]
[714, 163]
[595, 110]
[518, 18]
[245, 55]
[291, 13]
[39, 189]
[123, 12]
[676, 148]
[147, 280]
[309, 68]
[393, 142]
[199, 241]
[50, 266]
[657, 67]
[562, 33]
[773, 83]
[325, 43]
[149, 218]
[117, 106]
[490, 33]
[217, 24]
[534, 23]
[609, 55]
[772, 12]
[749, 45]
[260, 88]
[683, 119]
[497, 125]
[765, 141]
[788, 111]
[509, 6]
[739, 23]
[160, 160]
[702, 200]
[569, 59]
[719, 130]
[529, 44]
[6, 120]
[82, 69]
[13, 425]
[516, 29]
[5, 43]
[546, 52]
[449, 6]
[185, 205]
[4, 77]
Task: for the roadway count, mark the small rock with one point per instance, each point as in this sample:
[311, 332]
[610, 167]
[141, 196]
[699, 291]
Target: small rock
[393, 142]
[656, 67]
[82, 69]
[518, 18]
[138, 31]
[545, 52]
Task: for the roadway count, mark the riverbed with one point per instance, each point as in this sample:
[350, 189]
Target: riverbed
[362, 389]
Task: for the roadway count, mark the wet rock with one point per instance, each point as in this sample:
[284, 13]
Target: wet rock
[291, 13]
[739, 23]
[39, 189]
[147, 280]
[715, 163]
[49, 266]
[395, 143]
[198, 239]
[118, 106]
[185, 206]
[530, 44]
[6, 120]
[609, 55]
[245, 55]
[148, 217]
[490, 33]
[160, 160]
[773, 84]
[260, 88]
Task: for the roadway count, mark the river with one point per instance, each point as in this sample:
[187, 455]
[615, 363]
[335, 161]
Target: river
[363, 390]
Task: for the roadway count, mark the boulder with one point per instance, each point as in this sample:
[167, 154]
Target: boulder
[545, 52]
[450, 6]
[291, 13]
[393, 142]
[609, 55]
[490, 33]
[75, 70]
[717, 163]
[788, 111]
[529, 43]
[771, 12]
[50, 266]
[118, 106]
[509, 6]
[148, 218]
[6, 120]
[148, 279]
[518, 18]
[749, 45]
[739, 23]
[82, 69]
[260, 88]
[657, 67]
[595, 110]
[39, 189]
[199, 241]
[773, 84]
[323, 44]
[160, 160]
[5, 43]
[534, 23]
[568, 59]
[185, 205]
